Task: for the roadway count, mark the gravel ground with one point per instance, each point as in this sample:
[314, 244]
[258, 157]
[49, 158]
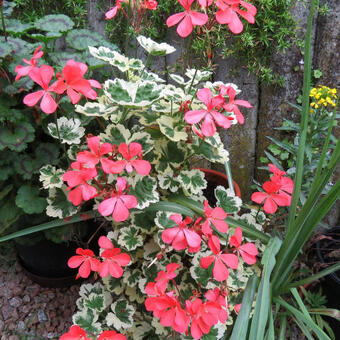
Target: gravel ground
[28, 311]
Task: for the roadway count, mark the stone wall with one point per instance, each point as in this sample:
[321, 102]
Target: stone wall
[246, 143]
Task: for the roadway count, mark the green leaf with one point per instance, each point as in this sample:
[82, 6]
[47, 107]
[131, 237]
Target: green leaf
[170, 206]
[227, 200]
[70, 130]
[241, 325]
[81, 39]
[87, 319]
[5, 49]
[263, 300]
[192, 181]
[130, 238]
[9, 213]
[5, 191]
[144, 188]
[54, 23]
[16, 26]
[29, 201]
[17, 138]
[122, 316]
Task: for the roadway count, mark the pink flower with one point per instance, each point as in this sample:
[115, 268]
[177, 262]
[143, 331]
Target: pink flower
[271, 198]
[113, 11]
[222, 261]
[78, 178]
[163, 277]
[85, 259]
[111, 335]
[113, 263]
[248, 251]
[42, 76]
[180, 236]
[286, 183]
[118, 204]
[210, 115]
[129, 152]
[73, 82]
[91, 159]
[216, 217]
[237, 308]
[228, 10]
[232, 105]
[150, 4]
[75, 333]
[105, 243]
[204, 316]
[187, 18]
[169, 310]
[24, 70]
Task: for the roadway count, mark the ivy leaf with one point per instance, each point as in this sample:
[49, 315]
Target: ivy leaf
[87, 320]
[132, 278]
[69, 129]
[100, 109]
[192, 181]
[51, 177]
[129, 238]
[199, 274]
[29, 201]
[143, 220]
[167, 181]
[167, 127]
[122, 316]
[163, 220]
[139, 94]
[81, 39]
[228, 201]
[54, 23]
[144, 188]
[58, 204]
[16, 139]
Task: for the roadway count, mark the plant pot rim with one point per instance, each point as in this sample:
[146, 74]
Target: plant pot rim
[224, 177]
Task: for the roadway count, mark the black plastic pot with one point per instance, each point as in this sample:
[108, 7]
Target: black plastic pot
[45, 262]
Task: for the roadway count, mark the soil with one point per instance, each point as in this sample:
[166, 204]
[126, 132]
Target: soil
[28, 311]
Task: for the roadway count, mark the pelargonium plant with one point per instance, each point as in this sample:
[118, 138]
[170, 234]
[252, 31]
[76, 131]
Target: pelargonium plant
[167, 269]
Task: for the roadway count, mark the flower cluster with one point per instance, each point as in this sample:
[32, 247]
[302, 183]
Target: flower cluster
[214, 112]
[226, 12]
[323, 96]
[71, 80]
[113, 260]
[277, 191]
[167, 305]
[77, 333]
[93, 166]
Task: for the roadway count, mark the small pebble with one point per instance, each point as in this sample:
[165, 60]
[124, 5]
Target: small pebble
[42, 316]
[2, 325]
[13, 337]
[26, 298]
[21, 326]
[7, 312]
[15, 302]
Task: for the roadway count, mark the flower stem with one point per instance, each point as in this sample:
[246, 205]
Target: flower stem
[230, 178]
[3, 19]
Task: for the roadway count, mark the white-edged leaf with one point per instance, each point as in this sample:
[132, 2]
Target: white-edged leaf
[167, 127]
[130, 238]
[102, 108]
[69, 129]
[155, 48]
[122, 316]
[192, 181]
[167, 181]
[58, 204]
[227, 200]
[87, 319]
[144, 188]
[51, 177]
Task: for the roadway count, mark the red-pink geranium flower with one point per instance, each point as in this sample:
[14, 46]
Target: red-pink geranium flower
[222, 261]
[75, 333]
[232, 105]
[111, 335]
[113, 263]
[77, 179]
[271, 198]
[286, 183]
[180, 236]
[228, 10]
[85, 259]
[216, 217]
[42, 76]
[113, 11]
[210, 115]
[204, 316]
[92, 158]
[163, 277]
[73, 82]
[248, 251]
[118, 204]
[150, 4]
[129, 152]
[24, 70]
[188, 19]
[237, 307]
[105, 243]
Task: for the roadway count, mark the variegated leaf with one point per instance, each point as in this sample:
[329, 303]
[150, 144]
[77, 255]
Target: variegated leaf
[192, 182]
[87, 319]
[167, 127]
[122, 316]
[51, 177]
[227, 200]
[58, 204]
[167, 181]
[131, 278]
[130, 238]
[99, 109]
[144, 188]
[70, 130]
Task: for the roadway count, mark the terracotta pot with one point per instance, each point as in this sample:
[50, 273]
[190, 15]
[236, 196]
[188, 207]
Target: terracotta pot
[220, 178]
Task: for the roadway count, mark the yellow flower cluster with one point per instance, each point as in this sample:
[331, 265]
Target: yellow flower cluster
[322, 97]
